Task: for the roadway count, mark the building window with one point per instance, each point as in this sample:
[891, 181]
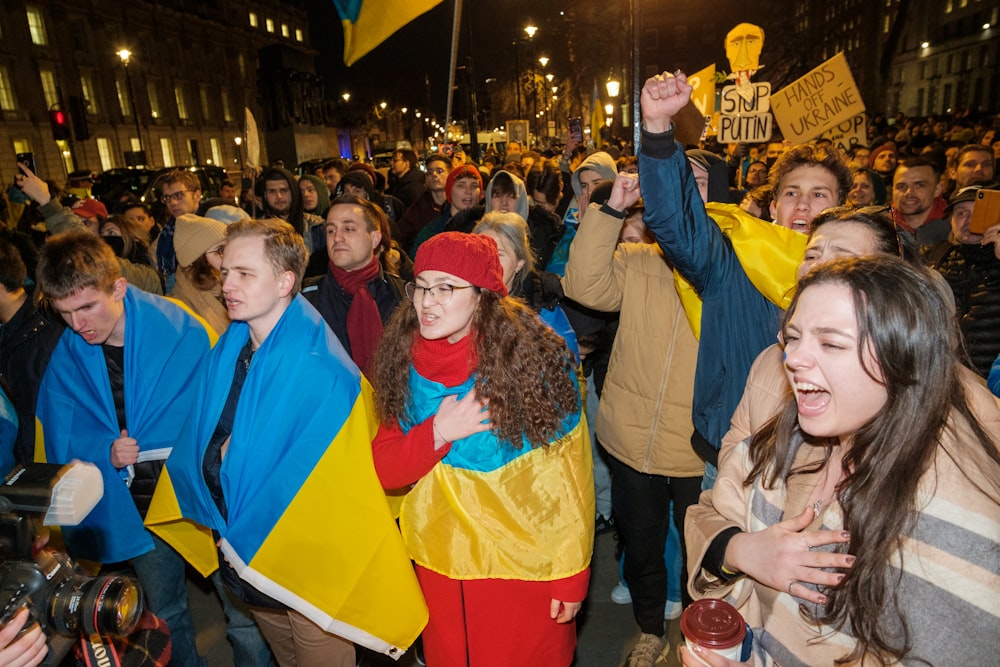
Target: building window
[22, 146]
[216, 151]
[104, 151]
[123, 101]
[168, 152]
[253, 20]
[6, 92]
[284, 30]
[36, 26]
[49, 87]
[885, 25]
[241, 61]
[87, 87]
[298, 35]
[269, 25]
[154, 100]
[182, 111]
[227, 114]
[206, 110]
[948, 6]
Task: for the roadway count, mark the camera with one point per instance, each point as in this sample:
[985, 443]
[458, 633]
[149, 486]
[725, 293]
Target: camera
[62, 600]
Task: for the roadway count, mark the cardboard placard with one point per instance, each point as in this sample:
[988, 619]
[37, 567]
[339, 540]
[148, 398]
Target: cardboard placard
[817, 102]
[744, 120]
[851, 132]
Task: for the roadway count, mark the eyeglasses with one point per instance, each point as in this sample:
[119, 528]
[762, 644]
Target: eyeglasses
[441, 294]
[177, 196]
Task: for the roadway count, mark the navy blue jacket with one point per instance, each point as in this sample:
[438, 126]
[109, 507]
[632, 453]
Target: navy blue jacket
[737, 322]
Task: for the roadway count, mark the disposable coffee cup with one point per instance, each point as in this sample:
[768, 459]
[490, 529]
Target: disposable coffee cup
[716, 626]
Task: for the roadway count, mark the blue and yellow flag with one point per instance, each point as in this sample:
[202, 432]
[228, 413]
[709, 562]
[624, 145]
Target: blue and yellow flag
[490, 511]
[368, 23]
[307, 521]
[769, 254]
[164, 349]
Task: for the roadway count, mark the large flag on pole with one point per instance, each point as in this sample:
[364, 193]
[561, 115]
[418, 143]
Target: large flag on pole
[596, 116]
[368, 23]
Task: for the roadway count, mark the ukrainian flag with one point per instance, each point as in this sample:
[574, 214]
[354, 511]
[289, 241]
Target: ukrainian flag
[769, 254]
[308, 523]
[368, 23]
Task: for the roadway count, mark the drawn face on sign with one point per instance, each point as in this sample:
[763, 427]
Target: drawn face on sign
[743, 46]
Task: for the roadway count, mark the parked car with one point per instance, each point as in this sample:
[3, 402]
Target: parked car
[113, 185]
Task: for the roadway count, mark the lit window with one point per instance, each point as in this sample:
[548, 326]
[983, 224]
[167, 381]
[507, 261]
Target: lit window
[298, 35]
[123, 101]
[104, 151]
[284, 30]
[253, 19]
[6, 92]
[269, 23]
[133, 143]
[227, 114]
[182, 111]
[216, 151]
[87, 88]
[168, 152]
[36, 26]
[154, 100]
[49, 88]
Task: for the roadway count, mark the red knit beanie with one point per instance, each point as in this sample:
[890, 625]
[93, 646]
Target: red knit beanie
[461, 171]
[887, 146]
[472, 257]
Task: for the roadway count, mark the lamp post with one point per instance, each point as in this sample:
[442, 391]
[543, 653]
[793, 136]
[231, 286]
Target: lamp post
[613, 86]
[530, 31]
[126, 56]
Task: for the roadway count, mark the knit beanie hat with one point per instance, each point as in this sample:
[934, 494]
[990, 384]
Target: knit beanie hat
[887, 146]
[463, 171]
[472, 257]
[194, 235]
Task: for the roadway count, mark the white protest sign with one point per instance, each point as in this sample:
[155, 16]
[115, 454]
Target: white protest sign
[745, 120]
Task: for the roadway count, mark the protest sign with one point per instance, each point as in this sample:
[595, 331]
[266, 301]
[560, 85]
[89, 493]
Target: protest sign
[745, 119]
[851, 132]
[817, 102]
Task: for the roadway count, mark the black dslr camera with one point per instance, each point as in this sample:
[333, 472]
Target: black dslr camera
[59, 598]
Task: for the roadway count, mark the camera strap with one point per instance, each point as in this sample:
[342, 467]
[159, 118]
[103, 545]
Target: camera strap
[98, 651]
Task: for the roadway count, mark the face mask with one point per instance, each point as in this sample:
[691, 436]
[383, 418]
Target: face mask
[117, 244]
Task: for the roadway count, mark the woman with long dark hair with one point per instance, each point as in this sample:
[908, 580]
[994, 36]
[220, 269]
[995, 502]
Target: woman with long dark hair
[485, 437]
[873, 494]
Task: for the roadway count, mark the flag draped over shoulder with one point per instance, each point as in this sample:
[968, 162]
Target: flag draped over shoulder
[308, 522]
[490, 511]
[769, 254]
[164, 348]
[368, 23]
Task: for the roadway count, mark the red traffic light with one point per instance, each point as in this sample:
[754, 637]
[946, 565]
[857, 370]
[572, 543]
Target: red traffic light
[60, 125]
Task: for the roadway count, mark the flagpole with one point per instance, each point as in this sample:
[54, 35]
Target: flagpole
[454, 63]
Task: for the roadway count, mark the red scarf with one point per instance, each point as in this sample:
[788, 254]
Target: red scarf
[451, 364]
[364, 324]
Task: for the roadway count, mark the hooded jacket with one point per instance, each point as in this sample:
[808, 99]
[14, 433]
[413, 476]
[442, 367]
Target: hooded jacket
[604, 165]
[310, 226]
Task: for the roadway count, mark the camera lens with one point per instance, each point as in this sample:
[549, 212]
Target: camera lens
[108, 605]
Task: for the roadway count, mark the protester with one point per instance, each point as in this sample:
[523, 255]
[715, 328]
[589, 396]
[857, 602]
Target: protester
[488, 431]
[198, 245]
[879, 435]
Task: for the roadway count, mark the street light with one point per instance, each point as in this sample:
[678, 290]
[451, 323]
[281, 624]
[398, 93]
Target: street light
[544, 61]
[530, 30]
[126, 56]
[346, 96]
[613, 85]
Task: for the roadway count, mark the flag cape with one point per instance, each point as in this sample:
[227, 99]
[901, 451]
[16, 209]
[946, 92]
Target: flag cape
[308, 523]
[368, 23]
[164, 348]
[487, 510]
[769, 254]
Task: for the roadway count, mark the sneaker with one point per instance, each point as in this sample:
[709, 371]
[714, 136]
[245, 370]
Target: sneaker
[620, 594]
[646, 651]
[672, 610]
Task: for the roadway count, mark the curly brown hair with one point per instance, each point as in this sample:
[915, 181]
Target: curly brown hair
[524, 372]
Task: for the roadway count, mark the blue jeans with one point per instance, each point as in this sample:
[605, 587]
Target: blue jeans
[249, 647]
[161, 574]
[708, 481]
[602, 476]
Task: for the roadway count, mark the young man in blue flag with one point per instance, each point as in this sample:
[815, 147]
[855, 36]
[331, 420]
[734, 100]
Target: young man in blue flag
[116, 391]
[275, 472]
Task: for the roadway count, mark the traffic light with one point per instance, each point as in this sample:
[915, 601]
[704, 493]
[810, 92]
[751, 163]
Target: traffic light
[78, 111]
[59, 120]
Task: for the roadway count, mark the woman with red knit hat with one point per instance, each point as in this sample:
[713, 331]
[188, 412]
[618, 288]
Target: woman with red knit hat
[488, 447]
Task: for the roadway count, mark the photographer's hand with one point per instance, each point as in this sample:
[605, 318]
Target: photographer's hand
[33, 186]
[28, 650]
[124, 451]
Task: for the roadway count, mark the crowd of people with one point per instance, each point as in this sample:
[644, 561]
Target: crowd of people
[472, 369]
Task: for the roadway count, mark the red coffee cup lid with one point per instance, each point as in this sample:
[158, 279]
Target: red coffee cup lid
[714, 624]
